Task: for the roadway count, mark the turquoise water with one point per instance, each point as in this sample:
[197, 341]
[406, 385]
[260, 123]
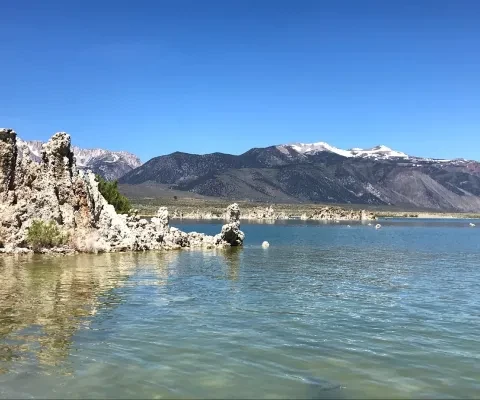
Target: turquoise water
[328, 311]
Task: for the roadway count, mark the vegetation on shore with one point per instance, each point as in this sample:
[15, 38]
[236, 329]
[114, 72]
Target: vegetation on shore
[45, 235]
[109, 190]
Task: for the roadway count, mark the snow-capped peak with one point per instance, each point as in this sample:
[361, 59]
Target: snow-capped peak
[312, 148]
[119, 162]
[377, 152]
[85, 156]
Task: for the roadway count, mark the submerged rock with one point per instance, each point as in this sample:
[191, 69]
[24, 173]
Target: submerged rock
[54, 190]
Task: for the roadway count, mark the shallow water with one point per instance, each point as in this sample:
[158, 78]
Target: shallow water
[328, 311]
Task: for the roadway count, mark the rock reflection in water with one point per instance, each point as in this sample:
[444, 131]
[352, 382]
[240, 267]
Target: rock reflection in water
[232, 260]
[45, 300]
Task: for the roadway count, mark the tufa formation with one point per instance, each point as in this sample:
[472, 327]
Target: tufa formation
[55, 190]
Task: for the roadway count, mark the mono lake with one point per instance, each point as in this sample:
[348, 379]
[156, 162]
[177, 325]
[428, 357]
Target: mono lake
[328, 311]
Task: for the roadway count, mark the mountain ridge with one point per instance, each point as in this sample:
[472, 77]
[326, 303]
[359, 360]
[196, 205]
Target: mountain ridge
[111, 165]
[320, 173]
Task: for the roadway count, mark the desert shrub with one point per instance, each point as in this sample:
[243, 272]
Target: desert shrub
[45, 235]
[109, 191]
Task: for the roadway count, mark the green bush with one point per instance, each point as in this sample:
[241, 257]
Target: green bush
[45, 235]
[109, 191]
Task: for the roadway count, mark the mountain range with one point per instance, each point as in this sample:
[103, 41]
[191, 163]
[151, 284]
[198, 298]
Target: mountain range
[298, 172]
[319, 172]
[109, 164]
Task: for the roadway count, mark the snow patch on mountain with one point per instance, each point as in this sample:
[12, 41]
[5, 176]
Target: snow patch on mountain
[85, 157]
[95, 159]
[312, 148]
[377, 152]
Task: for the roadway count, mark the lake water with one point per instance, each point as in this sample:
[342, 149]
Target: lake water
[328, 311]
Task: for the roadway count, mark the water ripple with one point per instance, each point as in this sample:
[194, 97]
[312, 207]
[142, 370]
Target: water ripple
[326, 312]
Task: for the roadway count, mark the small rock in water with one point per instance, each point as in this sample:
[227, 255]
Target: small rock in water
[265, 245]
[348, 226]
[378, 226]
[369, 224]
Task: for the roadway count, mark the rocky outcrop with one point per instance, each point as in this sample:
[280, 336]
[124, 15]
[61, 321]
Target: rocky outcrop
[231, 233]
[340, 214]
[8, 157]
[261, 214]
[55, 190]
[269, 214]
[197, 214]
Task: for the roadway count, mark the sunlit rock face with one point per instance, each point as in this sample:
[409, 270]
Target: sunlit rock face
[55, 190]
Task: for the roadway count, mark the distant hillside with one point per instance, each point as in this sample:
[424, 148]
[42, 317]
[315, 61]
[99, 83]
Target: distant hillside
[320, 173]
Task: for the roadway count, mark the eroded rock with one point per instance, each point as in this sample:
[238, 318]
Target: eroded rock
[8, 158]
[55, 190]
[231, 233]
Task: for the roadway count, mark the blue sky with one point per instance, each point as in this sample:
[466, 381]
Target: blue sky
[153, 77]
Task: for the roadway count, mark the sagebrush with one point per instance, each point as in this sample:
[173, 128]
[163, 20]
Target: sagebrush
[109, 191]
[45, 235]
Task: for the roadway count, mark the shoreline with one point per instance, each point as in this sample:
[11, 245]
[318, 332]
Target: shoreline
[305, 213]
[196, 208]
[432, 216]
[269, 213]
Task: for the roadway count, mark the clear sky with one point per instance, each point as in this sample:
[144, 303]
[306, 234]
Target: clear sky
[153, 77]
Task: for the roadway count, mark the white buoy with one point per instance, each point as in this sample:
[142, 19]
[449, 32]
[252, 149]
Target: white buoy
[378, 226]
[369, 224]
[265, 245]
[472, 224]
[348, 226]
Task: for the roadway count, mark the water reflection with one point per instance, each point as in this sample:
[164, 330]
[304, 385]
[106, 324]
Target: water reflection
[232, 261]
[324, 312]
[45, 300]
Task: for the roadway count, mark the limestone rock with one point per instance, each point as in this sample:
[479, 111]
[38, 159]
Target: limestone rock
[162, 220]
[233, 213]
[54, 189]
[231, 233]
[8, 158]
[270, 215]
[260, 213]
